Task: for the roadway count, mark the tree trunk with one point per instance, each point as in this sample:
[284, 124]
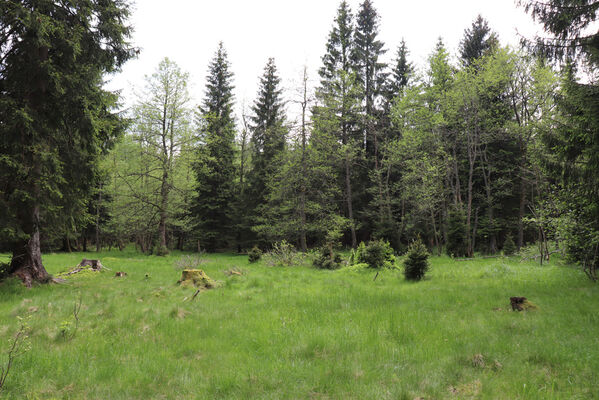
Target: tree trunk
[26, 262]
[303, 241]
[98, 244]
[522, 210]
[350, 210]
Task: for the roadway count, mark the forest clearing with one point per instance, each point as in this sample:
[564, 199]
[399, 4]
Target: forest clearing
[318, 200]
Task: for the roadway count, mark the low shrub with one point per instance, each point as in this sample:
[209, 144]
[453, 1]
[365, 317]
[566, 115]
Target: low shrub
[326, 260]
[356, 268]
[377, 254]
[509, 247]
[160, 251]
[283, 254]
[255, 254]
[416, 263]
[4, 268]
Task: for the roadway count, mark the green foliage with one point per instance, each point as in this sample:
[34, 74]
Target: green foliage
[213, 206]
[327, 258]
[4, 270]
[509, 247]
[284, 254]
[377, 254]
[416, 263]
[456, 233]
[160, 250]
[57, 119]
[254, 255]
[477, 41]
[300, 314]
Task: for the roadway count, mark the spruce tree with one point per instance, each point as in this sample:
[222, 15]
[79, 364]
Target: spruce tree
[371, 74]
[401, 73]
[56, 118]
[339, 50]
[477, 41]
[337, 114]
[215, 169]
[268, 137]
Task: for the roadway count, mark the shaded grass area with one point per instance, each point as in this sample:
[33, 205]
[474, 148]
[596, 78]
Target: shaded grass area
[298, 332]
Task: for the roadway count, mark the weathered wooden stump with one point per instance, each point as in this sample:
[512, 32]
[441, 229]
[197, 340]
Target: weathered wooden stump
[94, 264]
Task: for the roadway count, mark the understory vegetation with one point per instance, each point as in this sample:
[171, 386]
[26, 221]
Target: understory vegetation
[302, 332]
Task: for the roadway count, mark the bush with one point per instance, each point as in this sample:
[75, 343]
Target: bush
[377, 254]
[160, 250]
[509, 247]
[416, 264]
[255, 254]
[456, 234]
[324, 260]
[283, 254]
[4, 268]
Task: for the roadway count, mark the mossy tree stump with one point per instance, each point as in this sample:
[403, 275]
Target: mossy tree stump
[196, 278]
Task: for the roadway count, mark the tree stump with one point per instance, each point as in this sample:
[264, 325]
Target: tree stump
[96, 265]
[521, 304]
[197, 278]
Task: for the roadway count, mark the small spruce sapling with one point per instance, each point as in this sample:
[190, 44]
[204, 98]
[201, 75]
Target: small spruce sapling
[509, 247]
[377, 254]
[456, 234]
[254, 255]
[416, 264]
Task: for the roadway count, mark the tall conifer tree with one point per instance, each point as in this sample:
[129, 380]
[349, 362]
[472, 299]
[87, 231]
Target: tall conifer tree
[55, 117]
[215, 169]
[336, 116]
[401, 73]
[268, 133]
[477, 41]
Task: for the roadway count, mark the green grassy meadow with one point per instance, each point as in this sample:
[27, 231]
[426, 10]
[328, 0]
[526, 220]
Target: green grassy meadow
[302, 333]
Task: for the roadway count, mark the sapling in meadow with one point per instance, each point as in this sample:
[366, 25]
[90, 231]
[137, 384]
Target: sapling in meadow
[377, 254]
[509, 247]
[255, 254]
[416, 264]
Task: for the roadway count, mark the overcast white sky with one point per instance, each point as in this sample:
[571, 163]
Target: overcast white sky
[294, 33]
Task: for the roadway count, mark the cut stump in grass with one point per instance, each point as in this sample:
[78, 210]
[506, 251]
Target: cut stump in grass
[84, 265]
[522, 304]
[96, 265]
[196, 278]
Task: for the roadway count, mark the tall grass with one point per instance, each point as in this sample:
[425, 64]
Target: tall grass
[276, 333]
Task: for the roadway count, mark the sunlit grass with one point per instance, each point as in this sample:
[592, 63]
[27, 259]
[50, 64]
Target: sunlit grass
[302, 333]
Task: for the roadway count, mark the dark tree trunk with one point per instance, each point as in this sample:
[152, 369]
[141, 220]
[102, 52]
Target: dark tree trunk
[26, 262]
[521, 210]
[350, 210]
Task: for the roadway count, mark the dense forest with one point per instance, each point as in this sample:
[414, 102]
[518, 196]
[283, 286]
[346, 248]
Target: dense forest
[489, 147]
